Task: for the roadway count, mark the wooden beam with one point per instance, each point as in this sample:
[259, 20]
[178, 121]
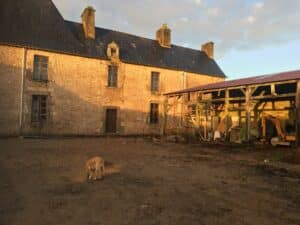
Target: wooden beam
[274, 96]
[243, 90]
[266, 97]
[253, 89]
[275, 83]
[237, 87]
[213, 100]
[166, 109]
[253, 86]
[237, 99]
[273, 90]
[212, 90]
[198, 114]
[298, 115]
[240, 114]
[226, 110]
[248, 112]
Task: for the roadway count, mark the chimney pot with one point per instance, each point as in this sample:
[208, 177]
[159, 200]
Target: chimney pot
[208, 49]
[88, 22]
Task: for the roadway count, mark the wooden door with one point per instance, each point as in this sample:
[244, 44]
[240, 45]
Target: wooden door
[111, 121]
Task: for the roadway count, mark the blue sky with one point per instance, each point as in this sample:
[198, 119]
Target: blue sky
[252, 37]
[264, 60]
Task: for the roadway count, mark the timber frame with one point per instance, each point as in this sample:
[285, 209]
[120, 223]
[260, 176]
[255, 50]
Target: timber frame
[247, 102]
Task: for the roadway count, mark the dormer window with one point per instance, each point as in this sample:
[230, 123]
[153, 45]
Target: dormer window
[113, 51]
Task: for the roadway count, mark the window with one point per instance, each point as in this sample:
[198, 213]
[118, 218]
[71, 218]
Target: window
[112, 76]
[40, 68]
[39, 108]
[154, 81]
[113, 52]
[154, 113]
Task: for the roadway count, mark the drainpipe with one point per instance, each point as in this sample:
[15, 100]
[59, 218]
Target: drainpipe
[23, 72]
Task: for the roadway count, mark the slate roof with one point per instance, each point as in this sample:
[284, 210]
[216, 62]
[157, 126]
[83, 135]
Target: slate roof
[262, 79]
[38, 24]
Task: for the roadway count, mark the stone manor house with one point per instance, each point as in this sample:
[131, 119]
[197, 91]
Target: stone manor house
[60, 77]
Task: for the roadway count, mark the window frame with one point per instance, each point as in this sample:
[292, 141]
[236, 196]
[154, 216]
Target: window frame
[39, 108]
[154, 113]
[155, 77]
[40, 68]
[112, 76]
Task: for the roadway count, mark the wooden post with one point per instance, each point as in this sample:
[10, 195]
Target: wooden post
[165, 115]
[226, 107]
[183, 106]
[198, 110]
[240, 114]
[298, 114]
[226, 101]
[180, 104]
[248, 112]
[273, 90]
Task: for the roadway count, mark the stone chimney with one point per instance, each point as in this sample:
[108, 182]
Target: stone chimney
[208, 49]
[163, 36]
[88, 22]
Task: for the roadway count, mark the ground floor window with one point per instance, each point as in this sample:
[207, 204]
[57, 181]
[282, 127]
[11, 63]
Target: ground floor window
[154, 113]
[39, 109]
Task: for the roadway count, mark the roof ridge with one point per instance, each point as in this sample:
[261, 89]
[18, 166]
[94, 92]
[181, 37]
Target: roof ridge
[136, 36]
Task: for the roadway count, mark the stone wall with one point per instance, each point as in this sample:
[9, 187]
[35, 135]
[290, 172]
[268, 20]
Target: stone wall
[78, 94]
[10, 90]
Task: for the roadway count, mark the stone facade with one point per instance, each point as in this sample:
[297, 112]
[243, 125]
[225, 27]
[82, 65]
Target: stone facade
[10, 86]
[78, 95]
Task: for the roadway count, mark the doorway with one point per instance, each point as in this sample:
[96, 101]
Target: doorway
[111, 121]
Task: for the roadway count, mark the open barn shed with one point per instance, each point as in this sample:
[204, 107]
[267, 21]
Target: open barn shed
[262, 108]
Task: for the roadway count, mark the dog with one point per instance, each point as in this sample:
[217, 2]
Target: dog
[94, 168]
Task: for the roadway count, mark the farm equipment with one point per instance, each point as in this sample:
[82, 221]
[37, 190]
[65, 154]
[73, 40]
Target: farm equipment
[283, 138]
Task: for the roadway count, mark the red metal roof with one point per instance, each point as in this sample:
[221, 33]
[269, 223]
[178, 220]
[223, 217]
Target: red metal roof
[268, 78]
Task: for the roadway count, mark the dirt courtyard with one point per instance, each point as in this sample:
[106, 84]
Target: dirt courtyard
[42, 182]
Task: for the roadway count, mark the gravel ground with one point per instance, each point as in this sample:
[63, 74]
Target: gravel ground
[43, 182]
